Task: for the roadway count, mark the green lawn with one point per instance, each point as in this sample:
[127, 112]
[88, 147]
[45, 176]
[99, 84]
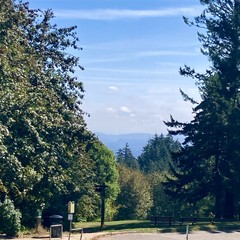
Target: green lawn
[146, 226]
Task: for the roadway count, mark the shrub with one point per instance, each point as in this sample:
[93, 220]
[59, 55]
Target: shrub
[10, 223]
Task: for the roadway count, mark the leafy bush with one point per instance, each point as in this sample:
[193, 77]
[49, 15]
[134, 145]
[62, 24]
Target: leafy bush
[10, 223]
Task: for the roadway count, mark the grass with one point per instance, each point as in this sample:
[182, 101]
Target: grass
[113, 226]
[146, 226]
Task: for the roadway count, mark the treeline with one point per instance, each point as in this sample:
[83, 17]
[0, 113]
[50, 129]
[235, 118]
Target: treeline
[48, 156]
[141, 180]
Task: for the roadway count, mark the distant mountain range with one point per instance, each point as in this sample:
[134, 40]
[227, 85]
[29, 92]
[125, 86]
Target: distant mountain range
[136, 141]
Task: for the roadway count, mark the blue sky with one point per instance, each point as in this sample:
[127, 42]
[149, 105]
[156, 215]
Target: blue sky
[132, 52]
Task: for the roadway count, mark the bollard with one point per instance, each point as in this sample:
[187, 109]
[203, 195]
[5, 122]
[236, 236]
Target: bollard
[187, 230]
[38, 224]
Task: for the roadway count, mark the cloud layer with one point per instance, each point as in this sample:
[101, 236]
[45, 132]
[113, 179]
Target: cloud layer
[115, 14]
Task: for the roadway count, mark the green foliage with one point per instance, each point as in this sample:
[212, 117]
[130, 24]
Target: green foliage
[156, 155]
[163, 205]
[209, 158]
[134, 200]
[105, 172]
[44, 143]
[10, 219]
[87, 208]
[154, 163]
[125, 157]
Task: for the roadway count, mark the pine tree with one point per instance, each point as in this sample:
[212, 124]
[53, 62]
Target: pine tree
[156, 155]
[209, 158]
[125, 157]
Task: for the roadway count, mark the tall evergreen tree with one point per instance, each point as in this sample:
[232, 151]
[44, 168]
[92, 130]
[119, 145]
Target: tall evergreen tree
[125, 157]
[209, 158]
[156, 155]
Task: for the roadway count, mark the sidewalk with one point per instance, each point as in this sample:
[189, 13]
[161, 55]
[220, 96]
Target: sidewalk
[75, 236]
[198, 235]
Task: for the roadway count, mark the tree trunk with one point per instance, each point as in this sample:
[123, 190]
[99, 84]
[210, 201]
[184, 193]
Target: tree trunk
[218, 185]
[228, 205]
[218, 212]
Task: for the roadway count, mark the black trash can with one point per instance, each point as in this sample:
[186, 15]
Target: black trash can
[56, 227]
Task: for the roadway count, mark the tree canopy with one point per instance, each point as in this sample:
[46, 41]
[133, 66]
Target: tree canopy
[46, 152]
[156, 155]
[134, 200]
[125, 157]
[209, 158]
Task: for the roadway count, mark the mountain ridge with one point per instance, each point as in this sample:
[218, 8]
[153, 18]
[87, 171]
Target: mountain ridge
[136, 141]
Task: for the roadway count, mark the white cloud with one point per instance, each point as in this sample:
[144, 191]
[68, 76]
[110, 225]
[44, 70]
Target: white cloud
[110, 109]
[132, 114]
[125, 109]
[133, 43]
[113, 88]
[137, 71]
[113, 14]
[168, 53]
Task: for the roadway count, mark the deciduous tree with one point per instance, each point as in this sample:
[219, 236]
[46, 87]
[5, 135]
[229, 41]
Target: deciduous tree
[134, 200]
[44, 142]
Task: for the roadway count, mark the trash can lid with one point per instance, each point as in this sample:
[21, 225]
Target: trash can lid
[56, 216]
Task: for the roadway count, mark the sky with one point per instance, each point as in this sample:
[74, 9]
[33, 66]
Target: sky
[132, 52]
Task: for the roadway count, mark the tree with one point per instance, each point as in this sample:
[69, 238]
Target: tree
[154, 163]
[106, 172]
[209, 158]
[134, 200]
[163, 204]
[11, 225]
[156, 154]
[44, 143]
[125, 156]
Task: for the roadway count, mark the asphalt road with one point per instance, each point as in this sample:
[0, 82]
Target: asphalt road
[199, 235]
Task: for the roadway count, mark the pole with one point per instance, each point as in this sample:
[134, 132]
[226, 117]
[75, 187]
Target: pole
[101, 189]
[103, 205]
[187, 230]
[70, 225]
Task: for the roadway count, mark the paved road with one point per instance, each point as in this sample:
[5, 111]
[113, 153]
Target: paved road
[200, 235]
